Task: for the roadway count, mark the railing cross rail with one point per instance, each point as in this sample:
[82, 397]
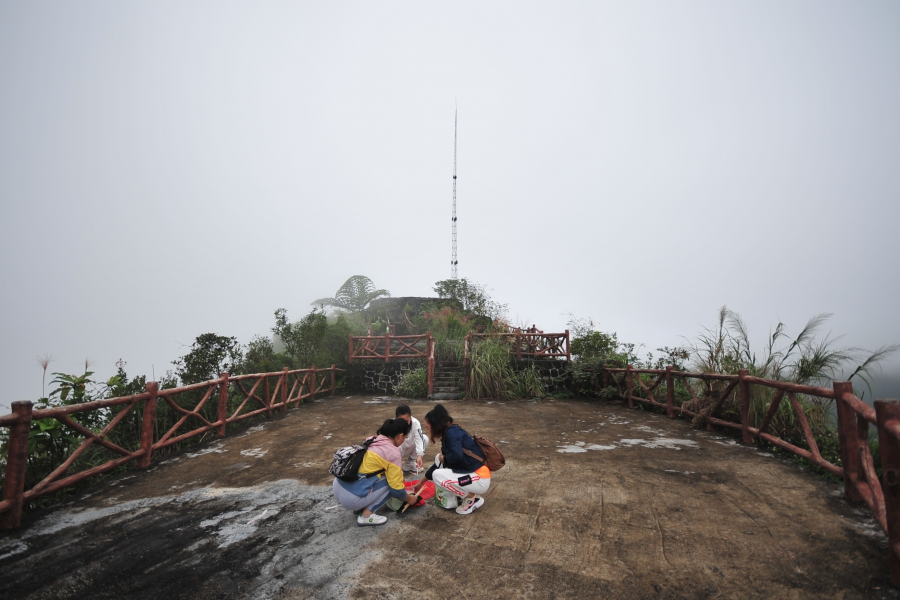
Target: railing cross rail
[19, 422]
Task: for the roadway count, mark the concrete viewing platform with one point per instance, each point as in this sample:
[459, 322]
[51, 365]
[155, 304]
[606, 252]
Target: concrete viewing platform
[596, 501]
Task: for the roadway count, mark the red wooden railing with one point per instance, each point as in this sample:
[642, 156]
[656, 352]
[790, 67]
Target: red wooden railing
[525, 344]
[257, 394]
[387, 347]
[853, 419]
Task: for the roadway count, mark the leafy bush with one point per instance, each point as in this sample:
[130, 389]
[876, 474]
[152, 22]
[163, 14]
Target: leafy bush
[472, 297]
[529, 383]
[260, 357]
[413, 384]
[302, 339]
[210, 355]
[50, 442]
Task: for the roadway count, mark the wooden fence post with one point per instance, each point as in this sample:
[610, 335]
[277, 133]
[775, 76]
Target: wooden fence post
[629, 385]
[888, 412]
[312, 383]
[387, 346]
[268, 402]
[568, 352]
[148, 424]
[848, 438]
[518, 346]
[223, 405]
[670, 392]
[429, 350]
[467, 362]
[16, 460]
[332, 380]
[350, 352]
[744, 393]
[284, 390]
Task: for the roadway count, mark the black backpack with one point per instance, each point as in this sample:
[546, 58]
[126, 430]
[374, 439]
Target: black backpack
[347, 460]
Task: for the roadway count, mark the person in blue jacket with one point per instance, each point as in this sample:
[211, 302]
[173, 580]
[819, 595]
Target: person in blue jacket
[460, 467]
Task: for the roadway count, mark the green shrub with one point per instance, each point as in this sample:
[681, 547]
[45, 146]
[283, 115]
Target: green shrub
[414, 384]
[529, 383]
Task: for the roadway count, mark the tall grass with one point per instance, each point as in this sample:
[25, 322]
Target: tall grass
[529, 383]
[491, 374]
[447, 349]
[808, 358]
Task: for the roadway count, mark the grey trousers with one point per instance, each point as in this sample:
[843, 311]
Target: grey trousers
[350, 501]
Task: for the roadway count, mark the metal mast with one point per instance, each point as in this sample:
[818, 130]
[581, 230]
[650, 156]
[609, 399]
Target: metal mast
[453, 261]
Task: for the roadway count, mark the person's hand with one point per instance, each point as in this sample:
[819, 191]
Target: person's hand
[441, 458]
[419, 462]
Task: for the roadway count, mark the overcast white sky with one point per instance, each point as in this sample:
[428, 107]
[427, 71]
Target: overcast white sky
[174, 168]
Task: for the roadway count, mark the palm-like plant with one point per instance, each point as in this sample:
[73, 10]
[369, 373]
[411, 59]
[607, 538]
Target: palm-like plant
[354, 296]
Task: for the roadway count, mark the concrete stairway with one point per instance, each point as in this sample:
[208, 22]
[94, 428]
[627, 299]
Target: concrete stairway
[449, 381]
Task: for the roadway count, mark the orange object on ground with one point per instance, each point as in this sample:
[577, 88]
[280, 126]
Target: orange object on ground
[425, 493]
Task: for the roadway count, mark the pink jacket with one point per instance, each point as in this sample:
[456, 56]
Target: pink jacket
[385, 448]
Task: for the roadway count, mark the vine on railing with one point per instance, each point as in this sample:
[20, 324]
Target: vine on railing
[248, 395]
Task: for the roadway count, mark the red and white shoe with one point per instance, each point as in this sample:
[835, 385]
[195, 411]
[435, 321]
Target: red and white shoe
[469, 505]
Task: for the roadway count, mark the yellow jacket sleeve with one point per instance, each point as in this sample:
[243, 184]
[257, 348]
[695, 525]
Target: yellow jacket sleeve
[373, 462]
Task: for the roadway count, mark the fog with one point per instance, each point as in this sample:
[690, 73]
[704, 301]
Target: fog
[169, 169]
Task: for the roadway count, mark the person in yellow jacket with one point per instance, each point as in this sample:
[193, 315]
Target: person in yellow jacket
[380, 476]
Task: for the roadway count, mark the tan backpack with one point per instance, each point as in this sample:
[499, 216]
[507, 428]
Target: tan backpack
[493, 457]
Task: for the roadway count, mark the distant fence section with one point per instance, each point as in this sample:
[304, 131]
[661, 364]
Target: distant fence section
[389, 347]
[526, 345]
[861, 482]
[236, 398]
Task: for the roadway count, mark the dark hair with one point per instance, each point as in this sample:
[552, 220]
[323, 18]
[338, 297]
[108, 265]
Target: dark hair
[393, 427]
[438, 420]
[402, 410]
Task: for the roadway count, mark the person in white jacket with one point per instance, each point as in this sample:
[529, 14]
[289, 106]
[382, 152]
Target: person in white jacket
[412, 451]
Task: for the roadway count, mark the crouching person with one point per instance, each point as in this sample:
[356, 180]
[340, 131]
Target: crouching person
[380, 476]
[412, 451]
[460, 466]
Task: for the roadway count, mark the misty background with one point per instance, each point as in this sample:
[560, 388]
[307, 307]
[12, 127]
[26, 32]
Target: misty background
[169, 169]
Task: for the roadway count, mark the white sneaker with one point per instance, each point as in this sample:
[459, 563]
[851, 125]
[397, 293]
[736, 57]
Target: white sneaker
[372, 519]
[469, 505]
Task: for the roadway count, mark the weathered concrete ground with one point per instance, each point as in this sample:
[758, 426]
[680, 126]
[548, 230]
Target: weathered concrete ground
[597, 501]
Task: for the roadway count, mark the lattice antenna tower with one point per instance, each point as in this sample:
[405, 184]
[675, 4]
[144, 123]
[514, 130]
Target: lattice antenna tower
[453, 261]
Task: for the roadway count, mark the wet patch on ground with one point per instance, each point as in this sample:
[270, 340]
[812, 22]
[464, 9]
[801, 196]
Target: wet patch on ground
[213, 542]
